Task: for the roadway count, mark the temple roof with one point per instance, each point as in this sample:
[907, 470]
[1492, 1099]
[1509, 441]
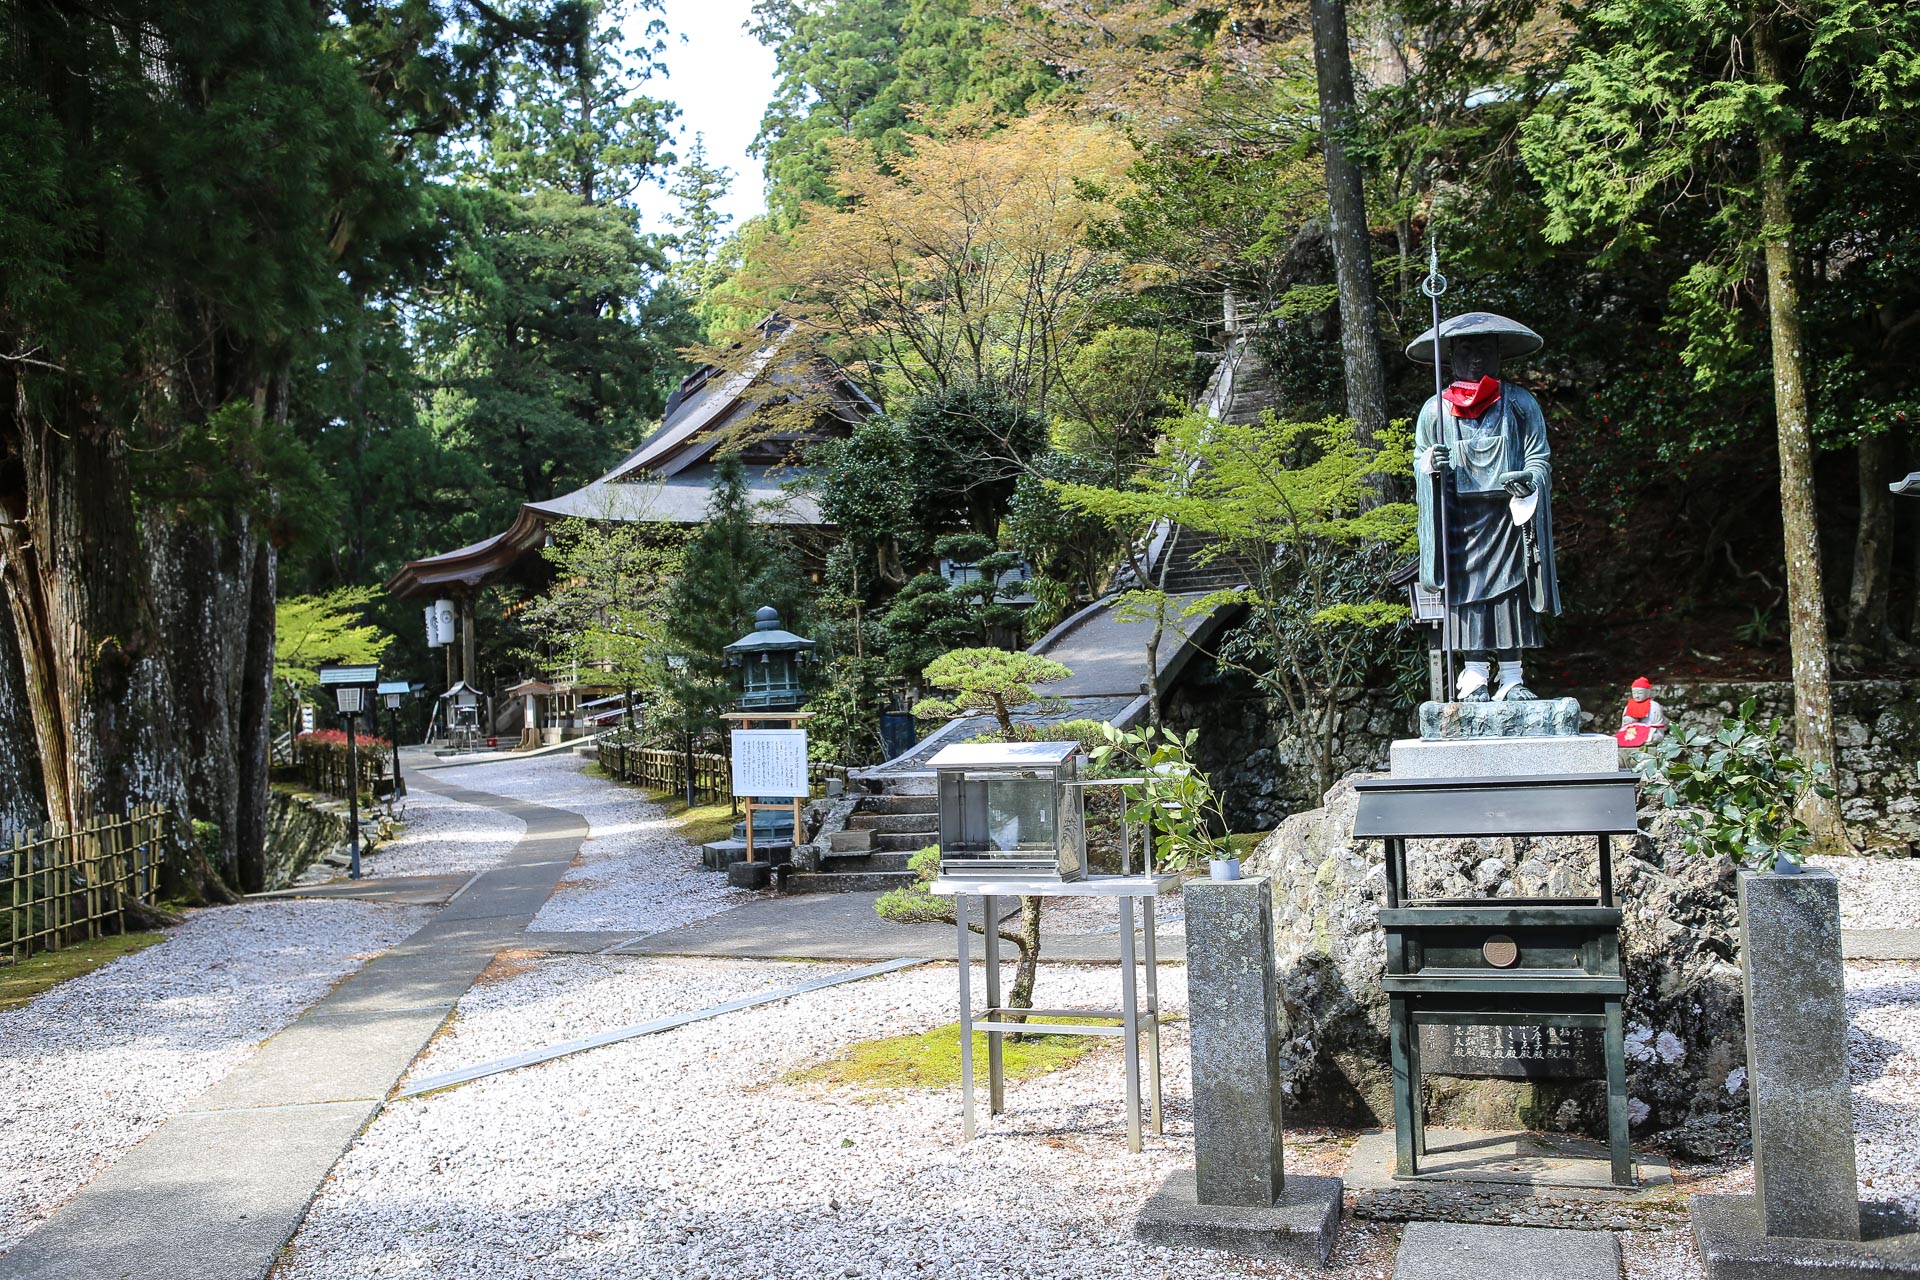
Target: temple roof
[668, 477]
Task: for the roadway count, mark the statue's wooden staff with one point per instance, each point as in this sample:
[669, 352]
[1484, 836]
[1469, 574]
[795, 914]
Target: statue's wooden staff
[1433, 286]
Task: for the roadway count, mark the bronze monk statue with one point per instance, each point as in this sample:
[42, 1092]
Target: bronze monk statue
[1481, 465]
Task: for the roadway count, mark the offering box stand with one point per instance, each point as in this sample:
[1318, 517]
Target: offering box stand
[1135, 1020]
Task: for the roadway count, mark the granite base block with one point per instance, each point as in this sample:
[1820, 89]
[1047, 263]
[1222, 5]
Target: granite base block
[1732, 1246]
[1539, 718]
[1503, 757]
[721, 854]
[1454, 1250]
[1299, 1229]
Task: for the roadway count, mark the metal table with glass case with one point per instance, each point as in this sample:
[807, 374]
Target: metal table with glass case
[1011, 826]
[1135, 1020]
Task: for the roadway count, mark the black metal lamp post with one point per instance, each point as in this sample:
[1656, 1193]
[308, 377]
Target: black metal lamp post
[394, 693]
[353, 692]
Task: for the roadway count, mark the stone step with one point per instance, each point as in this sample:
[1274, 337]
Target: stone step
[925, 823]
[864, 861]
[903, 841]
[848, 882]
[895, 803]
[1447, 1250]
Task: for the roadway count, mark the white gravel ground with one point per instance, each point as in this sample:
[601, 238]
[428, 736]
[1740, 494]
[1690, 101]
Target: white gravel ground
[1877, 893]
[443, 836]
[634, 873]
[96, 1063]
[683, 1155]
[1102, 915]
[1883, 1008]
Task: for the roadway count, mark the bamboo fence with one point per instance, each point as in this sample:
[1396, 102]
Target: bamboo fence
[58, 886]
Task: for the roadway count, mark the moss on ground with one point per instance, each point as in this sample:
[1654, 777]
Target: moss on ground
[22, 981]
[931, 1059]
[702, 824]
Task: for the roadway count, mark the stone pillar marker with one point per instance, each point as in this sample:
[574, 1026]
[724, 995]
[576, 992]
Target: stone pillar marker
[1235, 1003]
[1804, 1216]
[1236, 1197]
[1802, 1108]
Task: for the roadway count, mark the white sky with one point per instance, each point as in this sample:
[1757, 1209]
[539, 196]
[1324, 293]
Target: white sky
[721, 77]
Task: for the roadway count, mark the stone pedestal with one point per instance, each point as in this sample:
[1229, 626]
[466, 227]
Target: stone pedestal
[1237, 1196]
[1299, 1227]
[1503, 757]
[1805, 1216]
[1539, 718]
[1802, 1107]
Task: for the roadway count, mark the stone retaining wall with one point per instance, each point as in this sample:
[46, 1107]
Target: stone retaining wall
[304, 829]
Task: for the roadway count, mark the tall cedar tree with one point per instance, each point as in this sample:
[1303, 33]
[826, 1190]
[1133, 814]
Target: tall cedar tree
[1720, 109]
[1347, 226]
[731, 569]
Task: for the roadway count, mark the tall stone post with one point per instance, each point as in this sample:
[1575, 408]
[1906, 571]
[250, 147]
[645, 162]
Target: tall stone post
[1804, 1217]
[1802, 1108]
[1236, 1197]
[1235, 1001]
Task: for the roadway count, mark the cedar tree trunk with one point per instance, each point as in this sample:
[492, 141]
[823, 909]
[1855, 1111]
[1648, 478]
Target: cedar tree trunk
[1806, 603]
[1347, 218]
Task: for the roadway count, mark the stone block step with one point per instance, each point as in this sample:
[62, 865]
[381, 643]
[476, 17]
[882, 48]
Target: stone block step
[903, 841]
[895, 822]
[848, 882]
[901, 804]
[1449, 1250]
[864, 861]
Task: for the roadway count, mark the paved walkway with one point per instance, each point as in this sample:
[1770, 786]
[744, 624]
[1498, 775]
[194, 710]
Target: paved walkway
[843, 926]
[216, 1191]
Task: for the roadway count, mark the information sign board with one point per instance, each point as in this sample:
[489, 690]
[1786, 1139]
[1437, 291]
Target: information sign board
[770, 763]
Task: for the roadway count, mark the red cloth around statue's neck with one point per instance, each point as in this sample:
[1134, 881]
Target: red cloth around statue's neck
[1471, 399]
[1637, 707]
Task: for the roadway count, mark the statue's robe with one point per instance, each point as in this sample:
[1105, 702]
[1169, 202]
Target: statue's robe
[1496, 589]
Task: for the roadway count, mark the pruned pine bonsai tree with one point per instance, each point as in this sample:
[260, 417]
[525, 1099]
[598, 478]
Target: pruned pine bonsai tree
[995, 681]
[998, 682]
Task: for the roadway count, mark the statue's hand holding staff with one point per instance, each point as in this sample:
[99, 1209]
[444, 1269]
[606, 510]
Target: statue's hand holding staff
[1439, 458]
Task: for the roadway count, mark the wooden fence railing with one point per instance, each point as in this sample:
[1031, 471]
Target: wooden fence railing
[326, 771]
[660, 769]
[59, 887]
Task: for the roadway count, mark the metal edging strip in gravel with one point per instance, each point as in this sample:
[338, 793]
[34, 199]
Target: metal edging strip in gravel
[533, 1057]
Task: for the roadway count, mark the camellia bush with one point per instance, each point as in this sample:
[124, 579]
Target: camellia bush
[1735, 792]
[322, 757]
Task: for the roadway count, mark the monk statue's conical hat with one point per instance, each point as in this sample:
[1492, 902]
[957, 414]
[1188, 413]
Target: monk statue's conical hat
[1515, 338]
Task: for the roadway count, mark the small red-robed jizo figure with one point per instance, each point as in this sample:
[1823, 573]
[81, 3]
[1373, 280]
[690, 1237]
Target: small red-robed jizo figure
[1643, 721]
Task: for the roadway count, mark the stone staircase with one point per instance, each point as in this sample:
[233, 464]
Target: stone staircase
[872, 853]
[1187, 572]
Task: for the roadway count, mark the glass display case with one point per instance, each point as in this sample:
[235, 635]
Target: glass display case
[1008, 810]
